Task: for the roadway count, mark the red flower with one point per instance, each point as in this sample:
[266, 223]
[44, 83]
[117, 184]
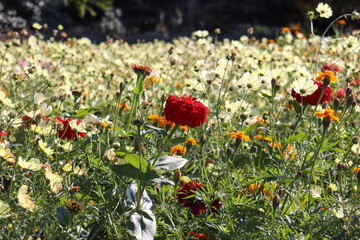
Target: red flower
[2, 134]
[313, 98]
[195, 203]
[185, 111]
[200, 236]
[331, 67]
[67, 131]
[340, 93]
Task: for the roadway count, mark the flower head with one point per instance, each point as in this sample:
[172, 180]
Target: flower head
[185, 111]
[324, 10]
[240, 135]
[304, 87]
[67, 131]
[327, 115]
[331, 67]
[314, 98]
[178, 150]
[141, 69]
[327, 75]
[190, 195]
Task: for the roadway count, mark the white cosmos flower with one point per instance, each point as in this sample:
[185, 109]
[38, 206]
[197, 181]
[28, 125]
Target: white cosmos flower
[207, 75]
[250, 81]
[304, 87]
[6, 101]
[38, 98]
[324, 10]
[78, 127]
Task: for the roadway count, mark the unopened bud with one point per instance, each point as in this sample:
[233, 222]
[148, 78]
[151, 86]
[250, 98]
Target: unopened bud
[229, 151]
[196, 68]
[348, 92]
[336, 102]
[350, 100]
[355, 140]
[273, 82]
[172, 62]
[276, 201]
[326, 121]
[76, 93]
[122, 86]
[203, 139]
[254, 149]
[353, 124]
[217, 31]
[171, 50]
[326, 80]
[177, 175]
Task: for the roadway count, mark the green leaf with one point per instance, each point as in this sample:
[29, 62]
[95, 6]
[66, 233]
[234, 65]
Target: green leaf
[176, 141]
[127, 170]
[297, 107]
[98, 227]
[249, 129]
[137, 162]
[62, 216]
[86, 111]
[139, 88]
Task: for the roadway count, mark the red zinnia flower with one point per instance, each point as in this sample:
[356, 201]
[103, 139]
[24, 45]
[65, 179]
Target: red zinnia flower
[67, 131]
[200, 236]
[195, 203]
[313, 98]
[185, 111]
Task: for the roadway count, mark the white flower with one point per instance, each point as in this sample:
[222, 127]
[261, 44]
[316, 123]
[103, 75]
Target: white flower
[38, 98]
[333, 187]
[207, 75]
[201, 33]
[43, 147]
[5, 101]
[315, 191]
[250, 81]
[324, 10]
[304, 87]
[77, 127]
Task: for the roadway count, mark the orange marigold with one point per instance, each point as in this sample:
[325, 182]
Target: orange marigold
[191, 140]
[327, 114]
[327, 75]
[178, 150]
[123, 106]
[240, 135]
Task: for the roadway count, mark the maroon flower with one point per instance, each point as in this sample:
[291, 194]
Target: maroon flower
[185, 111]
[314, 98]
[67, 131]
[331, 67]
[195, 202]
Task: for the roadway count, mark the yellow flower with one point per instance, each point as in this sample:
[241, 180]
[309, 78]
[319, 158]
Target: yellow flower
[327, 114]
[240, 135]
[327, 75]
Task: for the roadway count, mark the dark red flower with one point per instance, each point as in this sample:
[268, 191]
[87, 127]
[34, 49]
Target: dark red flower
[200, 236]
[355, 82]
[196, 203]
[331, 67]
[67, 131]
[28, 121]
[185, 111]
[141, 69]
[313, 98]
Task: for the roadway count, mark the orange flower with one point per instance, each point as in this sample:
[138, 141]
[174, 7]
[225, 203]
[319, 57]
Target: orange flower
[327, 114]
[192, 141]
[161, 121]
[123, 106]
[240, 135]
[342, 22]
[184, 128]
[179, 84]
[271, 41]
[286, 29]
[178, 150]
[356, 170]
[261, 137]
[327, 75]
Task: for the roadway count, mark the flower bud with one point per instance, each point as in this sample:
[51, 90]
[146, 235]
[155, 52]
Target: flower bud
[300, 173]
[76, 93]
[177, 175]
[196, 68]
[340, 166]
[326, 80]
[355, 140]
[353, 124]
[280, 191]
[276, 201]
[326, 122]
[229, 151]
[171, 50]
[217, 31]
[254, 149]
[348, 92]
[273, 82]
[10, 226]
[203, 139]
[358, 176]
[350, 100]
[336, 102]
[173, 62]
[122, 86]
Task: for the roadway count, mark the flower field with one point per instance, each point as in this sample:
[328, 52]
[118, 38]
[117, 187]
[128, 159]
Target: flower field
[191, 139]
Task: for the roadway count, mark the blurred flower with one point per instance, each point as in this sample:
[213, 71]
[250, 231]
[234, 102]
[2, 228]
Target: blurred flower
[199, 236]
[250, 81]
[23, 199]
[67, 131]
[324, 10]
[162, 122]
[185, 111]
[331, 67]
[6, 101]
[178, 150]
[240, 135]
[190, 195]
[191, 140]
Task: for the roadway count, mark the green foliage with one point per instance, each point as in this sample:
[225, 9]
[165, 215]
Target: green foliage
[89, 7]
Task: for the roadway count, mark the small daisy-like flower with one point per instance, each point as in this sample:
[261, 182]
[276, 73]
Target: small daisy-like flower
[304, 87]
[327, 75]
[250, 81]
[324, 10]
[328, 113]
[240, 135]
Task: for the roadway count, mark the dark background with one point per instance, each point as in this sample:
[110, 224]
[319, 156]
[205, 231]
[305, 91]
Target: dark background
[163, 19]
